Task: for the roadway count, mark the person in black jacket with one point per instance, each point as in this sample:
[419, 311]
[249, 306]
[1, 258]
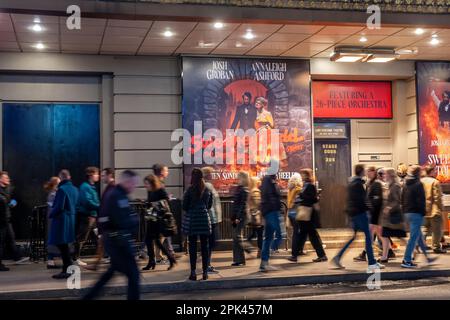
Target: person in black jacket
[271, 210]
[357, 210]
[308, 198]
[375, 204]
[413, 205]
[7, 237]
[156, 193]
[239, 219]
[118, 227]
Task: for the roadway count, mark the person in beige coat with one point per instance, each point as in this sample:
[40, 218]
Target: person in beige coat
[434, 207]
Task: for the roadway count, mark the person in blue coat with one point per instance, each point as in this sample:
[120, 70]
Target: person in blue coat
[88, 208]
[62, 231]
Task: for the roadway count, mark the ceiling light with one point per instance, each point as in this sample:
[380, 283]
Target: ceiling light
[419, 31]
[381, 58]
[434, 35]
[36, 28]
[238, 44]
[218, 25]
[342, 54]
[434, 41]
[407, 51]
[249, 35]
[39, 46]
[168, 33]
[37, 20]
[363, 39]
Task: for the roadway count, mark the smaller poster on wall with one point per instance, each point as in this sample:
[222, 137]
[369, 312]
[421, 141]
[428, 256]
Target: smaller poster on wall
[433, 109]
[352, 99]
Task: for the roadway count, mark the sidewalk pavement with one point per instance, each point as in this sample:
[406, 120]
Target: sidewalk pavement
[33, 280]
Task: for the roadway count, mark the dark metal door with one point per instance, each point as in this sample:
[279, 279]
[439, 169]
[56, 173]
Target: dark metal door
[332, 160]
[41, 139]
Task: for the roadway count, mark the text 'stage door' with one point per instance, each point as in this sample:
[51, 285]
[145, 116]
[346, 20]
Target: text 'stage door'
[41, 139]
[332, 159]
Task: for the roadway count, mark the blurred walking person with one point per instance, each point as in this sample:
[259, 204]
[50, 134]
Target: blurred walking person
[161, 171]
[215, 214]
[433, 207]
[308, 226]
[239, 214]
[375, 203]
[295, 185]
[197, 201]
[414, 207]
[108, 180]
[119, 227]
[392, 219]
[357, 209]
[157, 197]
[52, 251]
[89, 205]
[255, 223]
[271, 211]
[63, 214]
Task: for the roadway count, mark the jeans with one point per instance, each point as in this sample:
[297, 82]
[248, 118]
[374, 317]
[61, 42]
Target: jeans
[433, 226]
[122, 260]
[279, 234]
[308, 230]
[272, 226]
[415, 221]
[193, 251]
[212, 241]
[360, 222]
[8, 240]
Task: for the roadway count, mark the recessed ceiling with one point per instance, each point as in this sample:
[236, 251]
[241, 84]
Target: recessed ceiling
[133, 37]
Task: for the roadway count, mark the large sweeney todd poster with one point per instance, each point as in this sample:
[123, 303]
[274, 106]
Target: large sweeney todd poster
[246, 114]
[433, 104]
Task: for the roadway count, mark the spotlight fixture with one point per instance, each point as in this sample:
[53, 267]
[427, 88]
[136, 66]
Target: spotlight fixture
[419, 31]
[363, 39]
[39, 46]
[168, 33]
[249, 35]
[36, 27]
[434, 41]
[218, 25]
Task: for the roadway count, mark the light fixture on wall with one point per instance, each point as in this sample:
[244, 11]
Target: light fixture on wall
[359, 54]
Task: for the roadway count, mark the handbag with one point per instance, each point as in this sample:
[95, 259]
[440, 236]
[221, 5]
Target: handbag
[304, 213]
[255, 218]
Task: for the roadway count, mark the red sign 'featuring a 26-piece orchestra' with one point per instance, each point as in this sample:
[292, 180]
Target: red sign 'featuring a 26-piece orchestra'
[352, 99]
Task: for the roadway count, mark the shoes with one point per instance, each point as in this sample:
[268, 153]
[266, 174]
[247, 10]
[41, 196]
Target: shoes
[162, 261]
[211, 269]
[172, 265]
[205, 275]
[320, 259]
[265, 267]
[336, 263]
[361, 257]
[383, 260]
[408, 265]
[302, 253]
[52, 265]
[80, 263]
[258, 255]
[439, 251]
[238, 264]
[391, 254]
[375, 266]
[62, 275]
[3, 267]
[431, 260]
[193, 276]
[22, 260]
[150, 266]
[292, 259]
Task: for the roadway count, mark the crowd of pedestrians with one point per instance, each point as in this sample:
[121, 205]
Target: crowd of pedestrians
[383, 204]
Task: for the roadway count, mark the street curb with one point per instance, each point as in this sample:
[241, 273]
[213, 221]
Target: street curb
[187, 286]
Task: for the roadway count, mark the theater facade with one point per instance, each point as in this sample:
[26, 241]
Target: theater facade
[111, 90]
